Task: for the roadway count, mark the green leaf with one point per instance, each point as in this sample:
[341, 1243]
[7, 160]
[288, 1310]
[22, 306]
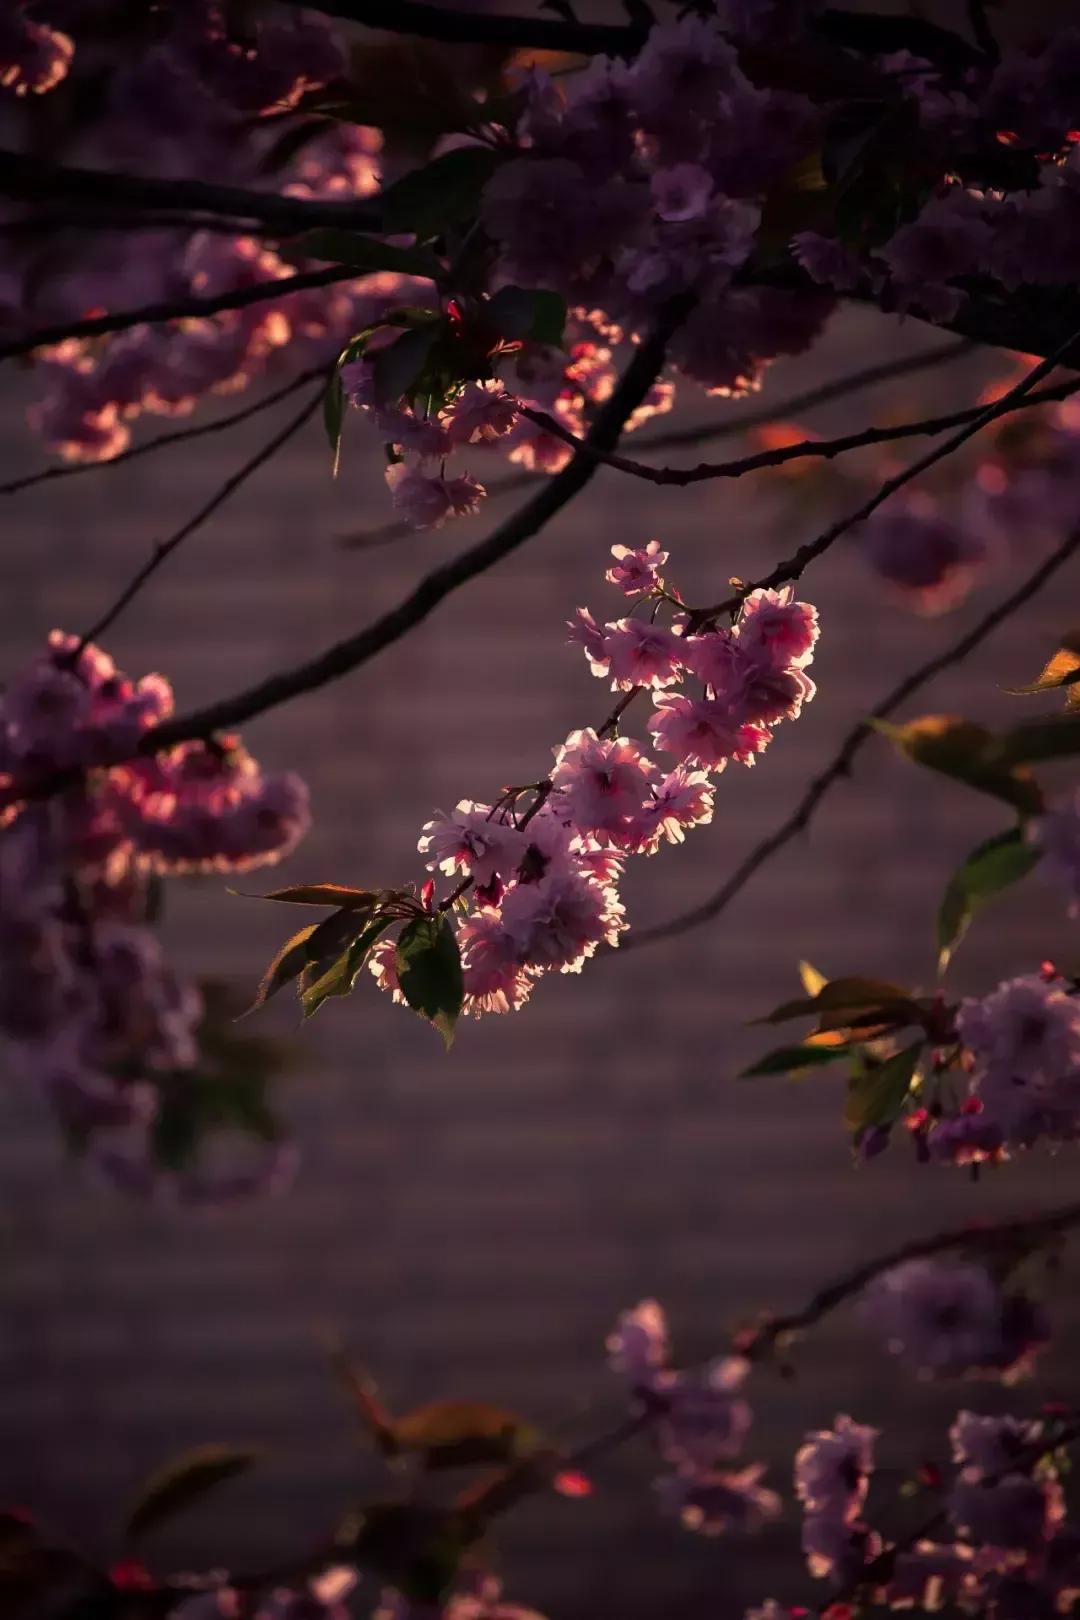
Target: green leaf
[426, 200]
[340, 977]
[877, 1095]
[453, 1434]
[790, 1059]
[415, 1546]
[528, 313]
[840, 995]
[323, 894]
[1063, 669]
[363, 253]
[399, 367]
[812, 981]
[992, 867]
[967, 752]
[1056, 737]
[315, 946]
[429, 972]
[288, 964]
[334, 418]
[183, 1482]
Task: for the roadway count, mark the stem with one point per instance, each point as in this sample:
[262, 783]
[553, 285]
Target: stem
[165, 548]
[677, 438]
[163, 440]
[859, 734]
[345, 656]
[176, 310]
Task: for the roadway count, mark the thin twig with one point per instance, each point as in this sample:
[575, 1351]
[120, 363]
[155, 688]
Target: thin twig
[177, 309]
[485, 28]
[165, 548]
[859, 734]
[1023, 1235]
[349, 654]
[793, 567]
[820, 449]
[679, 438]
[178, 436]
[35, 179]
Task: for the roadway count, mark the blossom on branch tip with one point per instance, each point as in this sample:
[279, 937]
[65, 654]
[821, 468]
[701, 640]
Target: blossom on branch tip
[636, 571]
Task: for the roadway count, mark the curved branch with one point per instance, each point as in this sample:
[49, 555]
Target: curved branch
[1022, 1235]
[349, 654]
[678, 438]
[165, 548]
[36, 180]
[177, 310]
[180, 436]
[841, 764]
[819, 449]
[793, 567]
[425, 21]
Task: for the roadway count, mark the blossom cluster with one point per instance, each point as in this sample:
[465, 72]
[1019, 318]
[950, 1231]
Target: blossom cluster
[91, 1011]
[187, 96]
[946, 1319]
[698, 1421]
[537, 892]
[1010, 1551]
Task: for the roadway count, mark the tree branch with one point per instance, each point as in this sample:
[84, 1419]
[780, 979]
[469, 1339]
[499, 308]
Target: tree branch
[840, 766]
[37, 180]
[819, 449]
[349, 654]
[986, 1239]
[792, 568]
[179, 436]
[177, 310]
[165, 548]
[678, 438]
[483, 28]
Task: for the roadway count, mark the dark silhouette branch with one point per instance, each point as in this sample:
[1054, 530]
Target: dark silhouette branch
[484, 28]
[983, 1240]
[817, 449]
[347, 655]
[177, 310]
[704, 432]
[793, 568]
[36, 180]
[48, 475]
[165, 548]
[840, 766]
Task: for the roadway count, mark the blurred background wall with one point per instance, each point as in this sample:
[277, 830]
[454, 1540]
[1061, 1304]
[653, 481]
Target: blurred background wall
[472, 1222]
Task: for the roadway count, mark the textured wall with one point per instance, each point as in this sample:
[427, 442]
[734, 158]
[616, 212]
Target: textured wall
[473, 1222]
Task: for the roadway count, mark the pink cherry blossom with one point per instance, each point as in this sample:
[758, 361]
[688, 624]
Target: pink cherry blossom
[774, 622]
[472, 841]
[703, 732]
[642, 654]
[559, 921]
[481, 413]
[600, 784]
[636, 571]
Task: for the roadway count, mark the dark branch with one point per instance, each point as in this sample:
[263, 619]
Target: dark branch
[820, 449]
[792, 568]
[730, 427]
[841, 764]
[178, 309]
[48, 475]
[36, 180]
[872, 34]
[1010, 1237]
[348, 655]
[165, 548]
[483, 28]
